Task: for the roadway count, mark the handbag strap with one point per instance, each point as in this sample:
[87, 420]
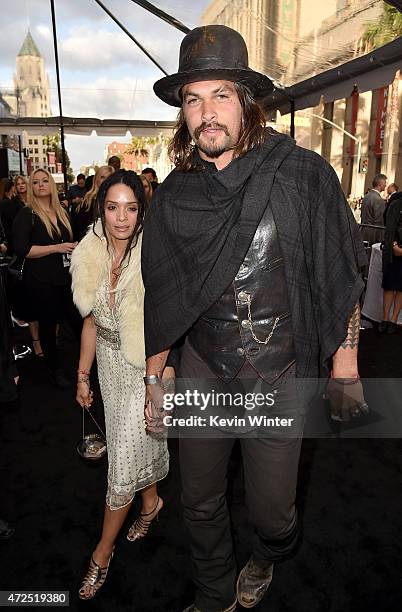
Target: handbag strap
[84, 410]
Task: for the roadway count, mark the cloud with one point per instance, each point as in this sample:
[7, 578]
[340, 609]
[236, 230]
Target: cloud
[106, 98]
[88, 49]
[44, 31]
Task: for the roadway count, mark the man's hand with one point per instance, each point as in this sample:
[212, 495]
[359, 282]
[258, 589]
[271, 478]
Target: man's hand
[346, 399]
[154, 410]
[397, 250]
[344, 390]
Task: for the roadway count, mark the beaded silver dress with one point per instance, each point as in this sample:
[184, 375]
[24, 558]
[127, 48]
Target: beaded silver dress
[136, 459]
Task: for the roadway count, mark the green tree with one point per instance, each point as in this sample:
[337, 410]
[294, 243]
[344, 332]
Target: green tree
[141, 146]
[383, 31]
[53, 144]
[147, 146]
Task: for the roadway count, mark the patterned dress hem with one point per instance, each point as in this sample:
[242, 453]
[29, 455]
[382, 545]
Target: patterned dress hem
[152, 481]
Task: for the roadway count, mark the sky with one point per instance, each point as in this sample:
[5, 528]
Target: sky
[103, 73]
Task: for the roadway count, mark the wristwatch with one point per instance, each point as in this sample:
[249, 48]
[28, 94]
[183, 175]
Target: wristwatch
[151, 380]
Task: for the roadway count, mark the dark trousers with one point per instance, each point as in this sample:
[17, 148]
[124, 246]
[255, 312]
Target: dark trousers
[53, 304]
[270, 475]
[65, 312]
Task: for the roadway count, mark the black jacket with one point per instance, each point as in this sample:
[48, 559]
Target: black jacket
[9, 209]
[393, 223]
[28, 230]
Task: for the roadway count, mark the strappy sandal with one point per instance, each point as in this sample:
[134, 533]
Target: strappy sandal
[94, 578]
[37, 354]
[140, 527]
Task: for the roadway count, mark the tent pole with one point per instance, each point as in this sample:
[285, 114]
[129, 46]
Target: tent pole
[56, 58]
[130, 36]
[20, 153]
[292, 118]
[162, 15]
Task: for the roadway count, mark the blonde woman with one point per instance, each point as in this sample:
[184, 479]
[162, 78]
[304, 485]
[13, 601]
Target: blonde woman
[82, 213]
[147, 188]
[21, 188]
[42, 236]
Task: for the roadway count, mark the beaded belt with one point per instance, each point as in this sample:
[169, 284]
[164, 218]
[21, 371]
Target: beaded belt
[110, 336]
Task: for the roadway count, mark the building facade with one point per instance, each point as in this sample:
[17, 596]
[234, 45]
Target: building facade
[129, 161]
[373, 116]
[290, 41]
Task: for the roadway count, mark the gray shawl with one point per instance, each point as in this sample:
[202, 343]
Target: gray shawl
[194, 243]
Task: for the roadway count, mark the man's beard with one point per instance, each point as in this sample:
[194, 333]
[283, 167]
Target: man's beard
[213, 150]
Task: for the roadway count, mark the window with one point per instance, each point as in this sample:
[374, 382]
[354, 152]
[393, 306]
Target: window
[36, 151]
[36, 141]
[30, 141]
[36, 160]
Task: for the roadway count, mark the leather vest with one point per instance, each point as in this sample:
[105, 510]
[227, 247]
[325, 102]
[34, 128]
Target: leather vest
[251, 320]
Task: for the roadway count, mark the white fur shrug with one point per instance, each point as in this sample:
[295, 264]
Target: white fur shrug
[90, 268]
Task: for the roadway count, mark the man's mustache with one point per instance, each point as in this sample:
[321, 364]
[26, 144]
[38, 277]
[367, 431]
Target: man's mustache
[204, 126]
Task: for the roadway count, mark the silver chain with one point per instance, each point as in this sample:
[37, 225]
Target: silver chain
[268, 338]
[84, 410]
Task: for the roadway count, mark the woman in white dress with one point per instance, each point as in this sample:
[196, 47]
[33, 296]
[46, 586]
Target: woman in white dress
[108, 291]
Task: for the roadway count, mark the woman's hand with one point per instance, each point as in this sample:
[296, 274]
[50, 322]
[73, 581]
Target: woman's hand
[84, 395]
[3, 249]
[65, 247]
[397, 250]
[168, 372]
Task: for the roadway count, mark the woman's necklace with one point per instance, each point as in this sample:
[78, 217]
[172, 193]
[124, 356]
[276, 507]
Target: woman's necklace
[115, 271]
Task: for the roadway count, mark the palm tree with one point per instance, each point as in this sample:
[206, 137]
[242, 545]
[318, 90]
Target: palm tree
[386, 29]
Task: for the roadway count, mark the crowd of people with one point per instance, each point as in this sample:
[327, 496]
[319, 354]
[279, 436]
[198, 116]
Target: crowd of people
[39, 233]
[381, 222]
[217, 264]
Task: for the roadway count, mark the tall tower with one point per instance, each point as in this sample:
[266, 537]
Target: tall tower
[31, 81]
[31, 96]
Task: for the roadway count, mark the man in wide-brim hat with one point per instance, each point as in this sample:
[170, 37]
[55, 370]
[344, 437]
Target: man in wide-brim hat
[251, 253]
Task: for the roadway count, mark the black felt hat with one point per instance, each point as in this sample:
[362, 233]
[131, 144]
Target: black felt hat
[209, 53]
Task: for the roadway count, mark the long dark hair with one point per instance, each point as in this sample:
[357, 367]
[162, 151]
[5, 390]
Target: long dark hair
[129, 178]
[6, 184]
[252, 132]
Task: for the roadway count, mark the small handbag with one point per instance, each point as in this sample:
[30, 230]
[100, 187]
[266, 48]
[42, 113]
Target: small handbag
[398, 236]
[16, 267]
[91, 447]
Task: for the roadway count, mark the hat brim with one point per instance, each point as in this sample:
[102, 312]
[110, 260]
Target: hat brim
[168, 88]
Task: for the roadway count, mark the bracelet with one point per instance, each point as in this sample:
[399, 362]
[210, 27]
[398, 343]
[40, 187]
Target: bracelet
[86, 372]
[346, 381]
[151, 380]
[83, 379]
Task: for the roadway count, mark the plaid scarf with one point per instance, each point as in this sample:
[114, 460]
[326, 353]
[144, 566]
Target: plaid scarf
[200, 226]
